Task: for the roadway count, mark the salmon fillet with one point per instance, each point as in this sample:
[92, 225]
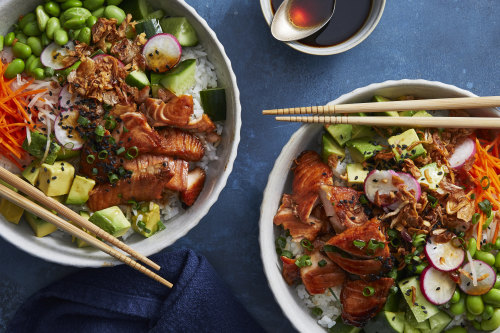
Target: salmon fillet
[176, 112]
[318, 278]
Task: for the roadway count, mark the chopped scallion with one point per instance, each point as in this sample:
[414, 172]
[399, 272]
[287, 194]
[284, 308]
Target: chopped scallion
[113, 178]
[359, 244]
[303, 261]
[90, 159]
[99, 130]
[132, 152]
[103, 154]
[322, 263]
[487, 185]
[120, 151]
[83, 121]
[307, 244]
[475, 218]
[368, 291]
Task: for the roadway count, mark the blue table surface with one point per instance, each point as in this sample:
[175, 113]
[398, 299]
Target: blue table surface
[451, 41]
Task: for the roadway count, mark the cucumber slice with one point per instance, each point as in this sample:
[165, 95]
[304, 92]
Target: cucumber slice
[157, 14]
[138, 8]
[213, 102]
[150, 27]
[181, 29]
[155, 83]
[137, 79]
[181, 78]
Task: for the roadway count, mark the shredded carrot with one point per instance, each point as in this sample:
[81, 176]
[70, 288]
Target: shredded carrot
[480, 231]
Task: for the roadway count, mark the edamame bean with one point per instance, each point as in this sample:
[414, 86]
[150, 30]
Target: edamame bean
[492, 297]
[1, 42]
[21, 37]
[470, 316]
[459, 307]
[28, 61]
[52, 8]
[493, 323]
[36, 63]
[497, 282]
[497, 260]
[61, 1]
[73, 34]
[497, 244]
[48, 71]
[71, 4]
[91, 21]
[30, 17]
[45, 40]
[15, 67]
[114, 2]
[52, 25]
[114, 12]
[488, 312]
[98, 12]
[472, 246]
[38, 74]
[85, 35]
[61, 36]
[456, 297]
[74, 12]
[36, 45]
[21, 50]
[9, 38]
[32, 29]
[474, 304]
[75, 23]
[486, 257]
[41, 17]
[93, 4]
[476, 324]
[457, 329]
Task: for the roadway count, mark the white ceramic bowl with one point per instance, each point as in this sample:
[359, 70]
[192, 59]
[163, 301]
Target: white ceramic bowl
[373, 18]
[63, 252]
[308, 137]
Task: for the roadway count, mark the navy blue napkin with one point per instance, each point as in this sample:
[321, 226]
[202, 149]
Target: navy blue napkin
[120, 299]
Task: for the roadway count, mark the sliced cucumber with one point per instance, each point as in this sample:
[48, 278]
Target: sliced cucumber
[138, 8]
[213, 102]
[155, 83]
[157, 14]
[137, 79]
[181, 78]
[181, 29]
[150, 27]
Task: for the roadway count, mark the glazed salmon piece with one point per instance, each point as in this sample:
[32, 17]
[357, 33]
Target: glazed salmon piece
[309, 174]
[179, 181]
[176, 112]
[358, 309]
[291, 272]
[195, 182]
[181, 144]
[318, 277]
[359, 266]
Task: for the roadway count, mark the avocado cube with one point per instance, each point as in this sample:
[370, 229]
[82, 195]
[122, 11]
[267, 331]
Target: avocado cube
[56, 179]
[421, 113]
[400, 143]
[111, 220]
[340, 132]
[31, 172]
[410, 329]
[330, 147]
[40, 227]
[424, 310]
[79, 191]
[378, 98]
[81, 243]
[11, 212]
[431, 175]
[362, 131]
[356, 173]
[362, 149]
[147, 221]
[37, 147]
[439, 321]
[408, 113]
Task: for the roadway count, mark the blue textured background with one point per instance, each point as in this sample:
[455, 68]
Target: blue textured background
[451, 41]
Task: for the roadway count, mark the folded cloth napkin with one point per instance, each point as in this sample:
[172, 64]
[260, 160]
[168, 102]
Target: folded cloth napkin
[120, 299]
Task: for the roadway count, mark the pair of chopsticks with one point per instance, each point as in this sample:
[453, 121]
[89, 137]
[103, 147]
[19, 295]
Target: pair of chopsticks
[76, 219]
[323, 114]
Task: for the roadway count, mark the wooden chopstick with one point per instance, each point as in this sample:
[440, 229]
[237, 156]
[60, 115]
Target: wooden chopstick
[436, 122]
[50, 203]
[417, 104]
[48, 216]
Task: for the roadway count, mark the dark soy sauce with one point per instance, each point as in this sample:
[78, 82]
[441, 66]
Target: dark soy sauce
[349, 17]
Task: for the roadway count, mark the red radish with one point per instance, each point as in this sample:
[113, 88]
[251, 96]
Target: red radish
[100, 57]
[65, 130]
[411, 184]
[486, 278]
[437, 286]
[444, 256]
[463, 153]
[162, 52]
[379, 181]
[66, 99]
[54, 55]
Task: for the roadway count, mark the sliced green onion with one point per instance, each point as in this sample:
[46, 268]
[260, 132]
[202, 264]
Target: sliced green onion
[316, 311]
[281, 242]
[133, 203]
[83, 121]
[433, 200]
[475, 218]
[392, 233]
[359, 244]
[113, 178]
[303, 261]
[488, 185]
[122, 171]
[124, 130]
[90, 159]
[99, 130]
[363, 200]
[287, 254]
[160, 225]
[485, 206]
[102, 155]
[306, 244]
[132, 152]
[322, 263]
[144, 209]
[368, 291]
[488, 221]
[110, 124]
[120, 151]
[69, 145]
[473, 196]
[95, 171]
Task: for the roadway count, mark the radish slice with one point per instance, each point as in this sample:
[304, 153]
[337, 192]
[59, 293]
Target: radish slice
[379, 181]
[53, 55]
[437, 286]
[463, 152]
[162, 52]
[444, 256]
[66, 99]
[100, 57]
[486, 278]
[65, 130]
[411, 184]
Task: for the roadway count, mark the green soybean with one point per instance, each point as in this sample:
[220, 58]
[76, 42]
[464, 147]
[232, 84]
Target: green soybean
[472, 246]
[474, 304]
[38, 74]
[486, 257]
[497, 244]
[1, 42]
[48, 71]
[71, 4]
[459, 307]
[114, 2]
[497, 282]
[74, 12]
[91, 21]
[21, 50]
[73, 34]
[21, 37]
[470, 316]
[29, 60]
[52, 25]
[85, 35]
[52, 8]
[45, 39]
[15, 67]
[32, 29]
[98, 12]
[488, 311]
[114, 12]
[75, 23]
[9, 38]
[456, 297]
[93, 4]
[492, 297]
[36, 63]
[30, 17]
[36, 45]
[497, 260]
[493, 323]
[457, 329]
[61, 37]
[41, 17]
